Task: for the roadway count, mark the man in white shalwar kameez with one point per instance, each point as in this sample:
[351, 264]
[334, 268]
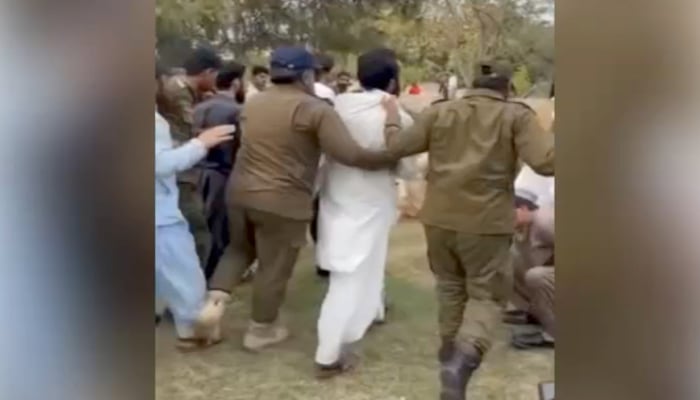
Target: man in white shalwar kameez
[357, 210]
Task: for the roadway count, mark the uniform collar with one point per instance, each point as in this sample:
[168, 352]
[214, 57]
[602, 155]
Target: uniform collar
[287, 88]
[486, 93]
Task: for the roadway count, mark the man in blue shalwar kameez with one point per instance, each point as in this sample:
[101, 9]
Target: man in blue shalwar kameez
[180, 280]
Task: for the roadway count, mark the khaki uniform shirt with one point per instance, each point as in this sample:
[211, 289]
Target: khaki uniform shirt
[474, 144]
[284, 132]
[180, 100]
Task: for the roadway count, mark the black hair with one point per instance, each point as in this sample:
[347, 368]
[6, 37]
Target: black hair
[229, 73]
[497, 83]
[325, 63]
[377, 68]
[259, 69]
[284, 80]
[201, 59]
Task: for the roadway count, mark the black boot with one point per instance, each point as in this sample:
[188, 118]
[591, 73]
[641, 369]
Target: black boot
[322, 272]
[456, 371]
[446, 349]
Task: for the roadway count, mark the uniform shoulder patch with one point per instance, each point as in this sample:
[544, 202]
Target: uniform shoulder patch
[173, 86]
[180, 82]
[522, 103]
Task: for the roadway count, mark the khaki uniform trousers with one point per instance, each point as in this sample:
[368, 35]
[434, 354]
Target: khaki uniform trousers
[473, 277]
[275, 241]
[192, 207]
[533, 255]
[540, 283]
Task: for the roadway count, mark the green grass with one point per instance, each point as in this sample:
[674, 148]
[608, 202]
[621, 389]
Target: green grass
[397, 359]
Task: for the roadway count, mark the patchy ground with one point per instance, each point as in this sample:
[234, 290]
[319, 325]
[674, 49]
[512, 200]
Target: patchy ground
[398, 359]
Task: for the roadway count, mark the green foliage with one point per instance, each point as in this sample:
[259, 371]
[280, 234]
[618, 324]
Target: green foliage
[412, 73]
[429, 36]
[521, 80]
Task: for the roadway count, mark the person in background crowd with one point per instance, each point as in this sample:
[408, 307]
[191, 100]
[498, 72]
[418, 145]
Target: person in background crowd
[469, 223]
[452, 85]
[179, 278]
[324, 77]
[442, 79]
[414, 89]
[357, 207]
[221, 109]
[343, 82]
[260, 80]
[181, 95]
[270, 190]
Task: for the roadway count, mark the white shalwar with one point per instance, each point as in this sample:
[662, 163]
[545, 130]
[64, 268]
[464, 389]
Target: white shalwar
[357, 210]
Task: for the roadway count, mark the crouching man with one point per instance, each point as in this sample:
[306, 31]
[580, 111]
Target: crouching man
[533, 252]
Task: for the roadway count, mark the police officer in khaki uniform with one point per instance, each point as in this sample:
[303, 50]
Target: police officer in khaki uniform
[181, 94]
[474, 144]
[284, 130]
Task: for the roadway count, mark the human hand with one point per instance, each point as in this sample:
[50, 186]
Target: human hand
[523, 217]
[213, 137]
[391, 106]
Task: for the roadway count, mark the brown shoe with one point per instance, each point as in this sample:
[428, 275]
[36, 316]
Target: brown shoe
[347, 362]
[188, 345]
[208, 323]
[260, 336]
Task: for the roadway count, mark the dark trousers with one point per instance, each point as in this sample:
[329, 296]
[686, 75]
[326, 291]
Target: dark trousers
[213, 191]
[313, 226]
[313, 230]
[192, 208]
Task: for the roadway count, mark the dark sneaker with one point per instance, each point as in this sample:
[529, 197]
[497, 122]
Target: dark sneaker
[347, 362]
[531, 340]
[322, 272]
[519, 317]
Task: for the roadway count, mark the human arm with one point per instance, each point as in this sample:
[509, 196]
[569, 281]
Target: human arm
[543, 225]
[534, 144]
[171, 160]
[336, 141]
[412, 140]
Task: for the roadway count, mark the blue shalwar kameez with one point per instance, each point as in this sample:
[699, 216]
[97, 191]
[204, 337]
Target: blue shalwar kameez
[180, 281]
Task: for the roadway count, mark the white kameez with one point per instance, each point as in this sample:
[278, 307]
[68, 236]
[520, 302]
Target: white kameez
[357, 211]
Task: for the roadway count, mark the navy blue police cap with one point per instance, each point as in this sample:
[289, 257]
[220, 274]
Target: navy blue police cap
[290, 61]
